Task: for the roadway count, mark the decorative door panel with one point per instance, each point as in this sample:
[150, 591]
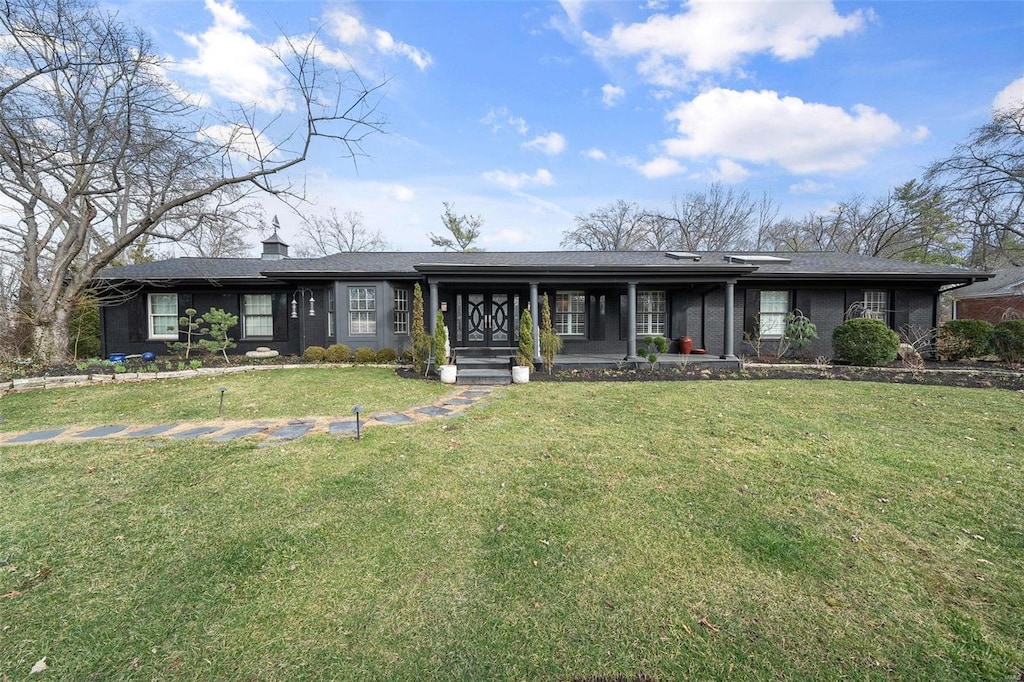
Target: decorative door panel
[488, 319]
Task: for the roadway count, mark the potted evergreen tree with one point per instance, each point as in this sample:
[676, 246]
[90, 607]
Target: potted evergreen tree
[524, 356]
[446, 368]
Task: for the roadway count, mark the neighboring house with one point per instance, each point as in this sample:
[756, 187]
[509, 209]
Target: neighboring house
[603, 303]
[995, 300]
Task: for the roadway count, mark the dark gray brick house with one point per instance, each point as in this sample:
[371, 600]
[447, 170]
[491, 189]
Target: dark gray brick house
[602, 302]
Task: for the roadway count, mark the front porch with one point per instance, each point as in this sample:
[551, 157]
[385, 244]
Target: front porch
[493, 365]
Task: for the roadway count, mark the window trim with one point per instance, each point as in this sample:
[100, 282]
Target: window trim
[247, 315]
[400, 317]
[370, 311]
[330, 312]
[780, 315]
[568, 319]
[870, 310]
[151, 318]
[645, 319]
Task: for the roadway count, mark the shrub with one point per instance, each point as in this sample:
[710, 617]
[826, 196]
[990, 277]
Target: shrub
[386, 356]
[550, 342]
[365, 354]
[442, 349]
[865, 341]
[524, 356]
[1008, 341]
[338, 352]
[960, 339]
[314, 354]
[220, 341]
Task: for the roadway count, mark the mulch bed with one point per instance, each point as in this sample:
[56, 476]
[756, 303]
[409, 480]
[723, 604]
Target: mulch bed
[973, 375]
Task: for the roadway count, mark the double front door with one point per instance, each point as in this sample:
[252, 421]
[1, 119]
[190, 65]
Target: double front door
[488, 319]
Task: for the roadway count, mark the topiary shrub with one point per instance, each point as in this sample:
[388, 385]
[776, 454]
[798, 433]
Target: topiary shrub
[865, 341]
[365, 355]
[386, 356]
[524, 356]
[338, 352]
[314, 354]
[1008, 341]
[959, 339]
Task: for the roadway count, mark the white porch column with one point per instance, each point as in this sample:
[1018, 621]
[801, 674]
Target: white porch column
[535, 314]
[433, 308]
[730, 307]
[631, 321]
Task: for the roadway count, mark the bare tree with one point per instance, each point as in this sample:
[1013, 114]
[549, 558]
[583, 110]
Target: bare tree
[464, 230]
[619, 226]
[717, 219]
[325, 235]
[98, 149]
[908, 223]
[983, 181]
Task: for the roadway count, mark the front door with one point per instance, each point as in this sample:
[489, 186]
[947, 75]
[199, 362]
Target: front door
[488, 320]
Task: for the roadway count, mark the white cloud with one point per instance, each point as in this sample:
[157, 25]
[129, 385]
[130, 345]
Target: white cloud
[730, 172]
[595, 154]
[350, 30]
[517, 181]
[241, 141]
[1010, 97]
[551, 144]
[396, 192]
[660, 167]
[234, 64]
[498, 118]
[716, 36]
[810, 187]
[573, 9]
[611, 94]
[505, 237]
[762, 127]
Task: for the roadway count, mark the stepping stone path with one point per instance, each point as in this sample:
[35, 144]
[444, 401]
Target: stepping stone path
[269, 431]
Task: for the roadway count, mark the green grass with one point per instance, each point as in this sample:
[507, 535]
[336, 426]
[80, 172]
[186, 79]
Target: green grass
[820, 530]
[252, 395]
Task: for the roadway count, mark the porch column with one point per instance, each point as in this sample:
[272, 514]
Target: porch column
[535, 314]
[433, 308]
[631, 321]
[730, 295]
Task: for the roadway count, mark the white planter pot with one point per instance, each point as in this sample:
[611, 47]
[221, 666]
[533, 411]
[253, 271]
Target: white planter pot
[448, 373]
[520, 375]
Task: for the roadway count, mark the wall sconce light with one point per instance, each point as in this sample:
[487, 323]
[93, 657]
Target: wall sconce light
[295, 303]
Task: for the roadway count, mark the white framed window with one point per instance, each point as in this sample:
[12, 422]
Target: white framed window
[570, 313]
[401, 319]
[257, 316]
[362, 311]
[163, 316]
[876, 304]
[650, 313]
[772, 316]
[330, 311]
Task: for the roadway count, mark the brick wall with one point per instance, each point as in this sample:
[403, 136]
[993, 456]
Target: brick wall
[994, 310]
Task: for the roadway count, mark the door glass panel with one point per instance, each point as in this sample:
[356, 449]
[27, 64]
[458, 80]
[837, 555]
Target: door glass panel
[499, 317]
[458, 317]
[475, 317]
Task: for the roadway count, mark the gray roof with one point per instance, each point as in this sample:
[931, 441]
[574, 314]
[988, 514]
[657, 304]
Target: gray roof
[1007, 282]
[817, 265]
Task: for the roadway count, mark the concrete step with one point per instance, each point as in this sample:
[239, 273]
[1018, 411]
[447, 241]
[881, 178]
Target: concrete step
[483, 351]
[475, 377]
[496, 363]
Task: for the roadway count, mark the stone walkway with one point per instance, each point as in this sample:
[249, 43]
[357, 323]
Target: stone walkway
[268, 431]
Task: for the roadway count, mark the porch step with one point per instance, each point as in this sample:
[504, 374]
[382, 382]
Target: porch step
[473, 377]
[497, 363]
[483, 352]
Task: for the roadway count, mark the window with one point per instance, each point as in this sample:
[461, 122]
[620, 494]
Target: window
[362, 310]
[257, 316]
[876, 305]
[401, 311]
[772, 318]
[650, 313]
[330, 311]
[163, 316]
[570, 319]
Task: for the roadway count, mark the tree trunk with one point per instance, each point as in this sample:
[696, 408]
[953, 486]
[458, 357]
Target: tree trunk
[51, 337]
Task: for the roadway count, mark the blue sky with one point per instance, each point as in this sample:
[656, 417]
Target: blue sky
[528, 113]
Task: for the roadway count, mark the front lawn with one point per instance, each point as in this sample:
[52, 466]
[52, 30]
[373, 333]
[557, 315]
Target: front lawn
[265, 394]
[744, 530]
